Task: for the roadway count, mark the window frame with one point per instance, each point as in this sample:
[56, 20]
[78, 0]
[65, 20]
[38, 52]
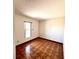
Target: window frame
[30, 29]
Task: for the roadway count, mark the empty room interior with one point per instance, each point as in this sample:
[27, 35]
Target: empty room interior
[38, 29]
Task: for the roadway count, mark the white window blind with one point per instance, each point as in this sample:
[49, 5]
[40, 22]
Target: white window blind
[27, 29]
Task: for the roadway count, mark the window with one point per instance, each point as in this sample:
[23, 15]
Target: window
[27, 29]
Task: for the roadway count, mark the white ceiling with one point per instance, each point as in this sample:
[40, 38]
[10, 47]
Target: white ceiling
[42, 9]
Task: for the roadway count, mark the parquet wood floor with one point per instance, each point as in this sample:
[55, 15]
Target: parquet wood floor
[39, 49]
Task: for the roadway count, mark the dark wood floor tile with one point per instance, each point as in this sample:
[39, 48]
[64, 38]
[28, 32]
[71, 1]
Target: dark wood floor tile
[39, 49]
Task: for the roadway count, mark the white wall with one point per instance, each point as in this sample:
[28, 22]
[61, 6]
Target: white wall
[52, 29]
[19, 28]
